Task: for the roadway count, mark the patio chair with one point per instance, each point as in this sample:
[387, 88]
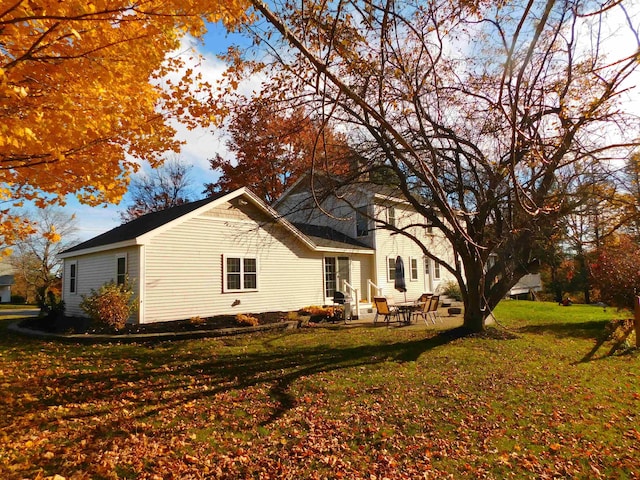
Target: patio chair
[425, 303]
[433, 308]
[383, 308]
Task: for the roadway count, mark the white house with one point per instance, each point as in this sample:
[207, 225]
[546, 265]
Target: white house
[232, 253]
[357, 212]
[222, 255]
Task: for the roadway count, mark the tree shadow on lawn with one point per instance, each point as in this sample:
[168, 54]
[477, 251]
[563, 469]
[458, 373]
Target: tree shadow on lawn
[592, 329]
[157, 378]
[598, 330]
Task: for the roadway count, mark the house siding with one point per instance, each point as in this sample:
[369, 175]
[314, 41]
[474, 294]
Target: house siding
[5, 293]
[389, 245]
[184, 266]
[299, 207]
[94, 270]
[342, 219]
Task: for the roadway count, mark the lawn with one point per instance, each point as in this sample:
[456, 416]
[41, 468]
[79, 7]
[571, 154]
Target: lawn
[544, 396]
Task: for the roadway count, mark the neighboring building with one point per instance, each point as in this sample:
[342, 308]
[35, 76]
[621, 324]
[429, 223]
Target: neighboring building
[531, 283]
[6, 281]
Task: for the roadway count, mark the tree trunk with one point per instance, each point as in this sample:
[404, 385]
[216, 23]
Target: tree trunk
[473, 320]
[473, 311]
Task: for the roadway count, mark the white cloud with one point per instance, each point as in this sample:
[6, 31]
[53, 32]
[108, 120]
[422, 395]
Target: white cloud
[200, 144]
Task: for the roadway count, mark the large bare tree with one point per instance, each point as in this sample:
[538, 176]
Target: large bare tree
[166, 186]
[35, 258]
[487, 113]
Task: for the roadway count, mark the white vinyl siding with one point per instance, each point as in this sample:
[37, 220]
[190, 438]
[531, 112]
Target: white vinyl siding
[185, 268]
[389, 246]
[93, 271]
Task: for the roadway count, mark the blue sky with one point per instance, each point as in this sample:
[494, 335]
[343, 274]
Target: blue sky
[200, 145]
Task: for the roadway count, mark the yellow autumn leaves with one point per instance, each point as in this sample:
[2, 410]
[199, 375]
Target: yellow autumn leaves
[85, 92]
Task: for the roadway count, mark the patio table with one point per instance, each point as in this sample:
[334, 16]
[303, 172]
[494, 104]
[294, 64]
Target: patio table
[406, 309]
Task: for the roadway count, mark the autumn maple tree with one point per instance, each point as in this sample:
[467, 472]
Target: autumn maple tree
[488, 113]
[616, 271]
[86, 88]
[273, 145]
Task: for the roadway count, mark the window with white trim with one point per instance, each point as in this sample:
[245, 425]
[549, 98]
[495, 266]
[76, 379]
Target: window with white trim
[362, 222]
[428, 226]
[413, 269]
[73, 277]
[391, 216]
[121, 269]
[391, 268]
[240, 274]
[337, 270]
[436, 270]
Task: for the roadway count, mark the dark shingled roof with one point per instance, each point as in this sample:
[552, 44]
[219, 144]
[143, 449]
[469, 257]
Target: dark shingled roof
[328, 237]
[142, 225]
[6, 280]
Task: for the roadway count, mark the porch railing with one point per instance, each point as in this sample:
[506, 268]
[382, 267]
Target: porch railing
[372, 286]
[353, 293]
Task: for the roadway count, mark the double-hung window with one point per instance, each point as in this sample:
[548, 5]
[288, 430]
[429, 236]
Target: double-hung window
[240, 274]
[429, 226]
[413, 269]
[362, 222]
[391, 268]
[391, 216]
[436, 270]
[121, 269]
[73, 277]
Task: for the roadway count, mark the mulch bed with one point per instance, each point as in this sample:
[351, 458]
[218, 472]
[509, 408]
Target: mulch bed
[77, 325]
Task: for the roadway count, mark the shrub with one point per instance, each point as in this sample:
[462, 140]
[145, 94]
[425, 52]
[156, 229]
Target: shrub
[614, 272]
[452, 290]
[111, 304]
[247, 320]
[321, 313]
[53, 307]
[316, 311]
[18, 300]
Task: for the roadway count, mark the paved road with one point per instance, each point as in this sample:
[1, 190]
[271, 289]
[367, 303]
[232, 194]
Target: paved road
[19, 312]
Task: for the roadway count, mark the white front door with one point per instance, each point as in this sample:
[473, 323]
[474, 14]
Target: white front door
[337, 270]
[428, 278]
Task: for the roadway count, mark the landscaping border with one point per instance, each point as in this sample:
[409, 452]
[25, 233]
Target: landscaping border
[146, 337]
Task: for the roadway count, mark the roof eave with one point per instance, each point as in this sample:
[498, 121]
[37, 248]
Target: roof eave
[101, 248]
[279, 218]
[362, 251]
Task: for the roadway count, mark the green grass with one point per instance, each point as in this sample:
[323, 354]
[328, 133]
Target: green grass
[546, 398]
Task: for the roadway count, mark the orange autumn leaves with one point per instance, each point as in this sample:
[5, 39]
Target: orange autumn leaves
[86, 89]
[274, 144]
